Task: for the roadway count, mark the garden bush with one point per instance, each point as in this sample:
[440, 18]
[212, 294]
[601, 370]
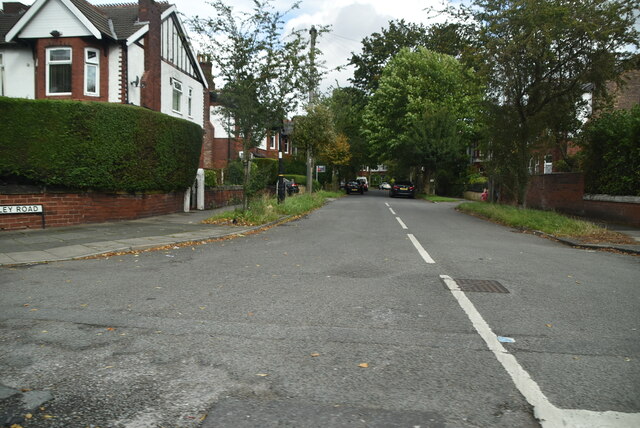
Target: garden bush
[93, 145]
[611, 146]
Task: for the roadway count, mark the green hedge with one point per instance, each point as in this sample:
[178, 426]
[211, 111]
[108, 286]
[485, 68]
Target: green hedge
[93, 145]
[612, 153]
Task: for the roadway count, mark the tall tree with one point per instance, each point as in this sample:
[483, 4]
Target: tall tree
[378, 48]
[263, 69]
[540, 56]
[314, 131]
[347, 106]
[422, 111]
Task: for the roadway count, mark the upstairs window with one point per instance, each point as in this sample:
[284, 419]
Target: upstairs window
[91, 72]
[58, 71]
[177, 95]
[190, 102]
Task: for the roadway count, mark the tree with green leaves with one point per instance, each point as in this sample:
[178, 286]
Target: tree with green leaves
[347, 105]
[378, 48]
[611, 153]
[423, 111]
[264, 70]
[314, 130]
[541, 56]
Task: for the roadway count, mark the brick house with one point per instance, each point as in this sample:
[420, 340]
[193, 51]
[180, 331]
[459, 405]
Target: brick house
[125, 53]
[624, 97]
[226, 147]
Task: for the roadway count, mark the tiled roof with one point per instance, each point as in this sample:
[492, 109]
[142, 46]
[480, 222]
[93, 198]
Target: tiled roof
[96, 16]
[117, 21]
[7, 21]
[125, 17]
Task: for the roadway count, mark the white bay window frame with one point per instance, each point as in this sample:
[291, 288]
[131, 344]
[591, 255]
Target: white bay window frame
[58, 62]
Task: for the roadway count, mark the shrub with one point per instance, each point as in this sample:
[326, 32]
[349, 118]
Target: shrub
[93, 145]
[210, 178]
[612, 153]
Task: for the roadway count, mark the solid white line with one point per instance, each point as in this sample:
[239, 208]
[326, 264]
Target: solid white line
[427, 258]
[548, 414]
[386, 203]
[404, 226]
[392, 211]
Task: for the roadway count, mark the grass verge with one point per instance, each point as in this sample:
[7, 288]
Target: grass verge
[265, 209]
[548, 222]
[436, 198]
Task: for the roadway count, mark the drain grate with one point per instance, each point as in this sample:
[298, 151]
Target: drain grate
[481, 285]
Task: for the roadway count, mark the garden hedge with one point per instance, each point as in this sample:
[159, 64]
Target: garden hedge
[611, 146]
[100, 146]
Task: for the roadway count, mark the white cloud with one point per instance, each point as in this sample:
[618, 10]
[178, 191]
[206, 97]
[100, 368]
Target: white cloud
[350, 20]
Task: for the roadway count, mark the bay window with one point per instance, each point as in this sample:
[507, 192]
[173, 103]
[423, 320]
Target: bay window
[58, 71]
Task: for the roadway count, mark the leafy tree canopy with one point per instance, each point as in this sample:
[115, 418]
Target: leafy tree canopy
[378, 48]
[540, 57]
[422, 110]
[264, 71]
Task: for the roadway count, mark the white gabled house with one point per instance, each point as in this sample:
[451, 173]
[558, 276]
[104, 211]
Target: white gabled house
[133, 53]
[127, 53]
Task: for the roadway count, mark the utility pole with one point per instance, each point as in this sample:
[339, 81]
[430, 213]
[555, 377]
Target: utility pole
[312, 95]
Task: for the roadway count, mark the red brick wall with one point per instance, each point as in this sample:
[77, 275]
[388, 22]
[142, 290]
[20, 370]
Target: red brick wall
[222, 196]
[66, 209]
[565, 193]
[556, 191]
[77, 45]
[615, 212]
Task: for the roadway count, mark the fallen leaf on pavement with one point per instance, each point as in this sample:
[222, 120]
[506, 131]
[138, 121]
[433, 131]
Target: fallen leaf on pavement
[262, 374]
[363, 365]
[315, 354]
[110, 328]
[549, 325]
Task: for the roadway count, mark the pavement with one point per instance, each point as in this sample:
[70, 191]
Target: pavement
[31, 246]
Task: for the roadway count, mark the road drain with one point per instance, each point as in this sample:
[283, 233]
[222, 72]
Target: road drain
[480, 285]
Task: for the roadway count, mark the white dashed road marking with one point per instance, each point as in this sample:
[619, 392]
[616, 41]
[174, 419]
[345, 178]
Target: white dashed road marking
[404, 226]
[427, 258]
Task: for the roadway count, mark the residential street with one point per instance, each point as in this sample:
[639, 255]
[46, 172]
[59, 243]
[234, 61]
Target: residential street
[350, 317]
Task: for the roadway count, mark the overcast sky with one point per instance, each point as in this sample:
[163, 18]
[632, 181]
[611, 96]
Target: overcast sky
[351, 21]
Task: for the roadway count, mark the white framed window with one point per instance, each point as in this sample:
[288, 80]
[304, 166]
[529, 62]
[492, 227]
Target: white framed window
[1, 74]
[272, 142]
[58, 71]
[190, 102]
[92, 72]
[177, 96]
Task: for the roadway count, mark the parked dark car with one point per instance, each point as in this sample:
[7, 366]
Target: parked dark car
[402, 188]
[354, 187]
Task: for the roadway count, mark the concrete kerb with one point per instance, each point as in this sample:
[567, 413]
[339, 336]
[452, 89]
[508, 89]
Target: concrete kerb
[623, 248]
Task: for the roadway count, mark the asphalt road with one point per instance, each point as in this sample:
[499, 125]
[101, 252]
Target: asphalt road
[350, 317]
